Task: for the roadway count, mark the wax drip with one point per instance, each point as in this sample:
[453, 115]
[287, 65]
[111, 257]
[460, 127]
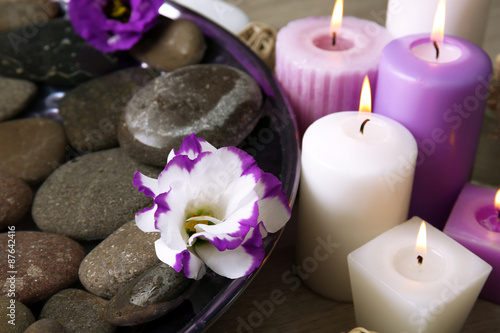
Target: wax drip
[437, 49]
[362, 128]
[420, 260]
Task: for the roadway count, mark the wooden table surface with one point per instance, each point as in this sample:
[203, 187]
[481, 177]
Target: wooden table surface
[275, 301]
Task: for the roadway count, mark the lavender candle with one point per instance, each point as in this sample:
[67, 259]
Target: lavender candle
[320, 78]
[475, 223]
[441, 100]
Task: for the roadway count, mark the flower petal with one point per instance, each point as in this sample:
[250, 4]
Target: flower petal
[274, 210]
[235, 263]
[192, 147]
[145, 219]
[145, 184]
[193, 267]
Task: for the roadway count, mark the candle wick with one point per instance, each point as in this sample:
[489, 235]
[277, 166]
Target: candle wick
[420, 260]
[334, 38]
[362, 128]
[437, 49]
[498, 214]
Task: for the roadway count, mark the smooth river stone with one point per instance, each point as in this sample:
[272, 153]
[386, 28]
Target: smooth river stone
[91, 196]
[91, 112]
[118, 259]
[22, 316]
[54, 54]
[78, 311]
[47, 325]
[45, 263]
[219, 103]
[149, 296]
[31, 148]
[25, 13]
[171, 45]
[15, 200]
[15, 95]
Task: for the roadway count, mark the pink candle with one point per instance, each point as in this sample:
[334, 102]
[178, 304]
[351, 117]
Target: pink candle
[441, 100]
[474, 223]
[319, 78]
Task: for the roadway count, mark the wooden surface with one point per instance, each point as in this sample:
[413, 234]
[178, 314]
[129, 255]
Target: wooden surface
[276, 300]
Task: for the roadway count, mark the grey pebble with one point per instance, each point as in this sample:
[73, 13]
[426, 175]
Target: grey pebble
[47, 325]
[31, 148]
[15, 14]
[90, 112]
[15, 200]
[54, 53]
[118, 259]
[149, 296]
[219, 103]
[91, 196]
[15, 95]
[78, 311]
[16, 316]
[171, 45]
[44, 264]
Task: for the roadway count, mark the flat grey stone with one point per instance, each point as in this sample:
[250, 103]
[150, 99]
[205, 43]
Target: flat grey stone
[171, 45]
[46, 325]
[31, 148]
[149, 296]
[90, 112]
[15, 200]
[78, 311]
[91, 196]
[219, 103]
[15, 14]
[118, 259]
[55, 54]
[15, 95]
[45, 263]
[17, 321]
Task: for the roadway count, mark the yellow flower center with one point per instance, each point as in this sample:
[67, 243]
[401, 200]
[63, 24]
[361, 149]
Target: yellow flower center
[118, 10]
[192, 223]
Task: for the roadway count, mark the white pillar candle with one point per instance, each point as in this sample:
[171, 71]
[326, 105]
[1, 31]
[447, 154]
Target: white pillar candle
[223, 13]
[393, 293]
[353, 187]
[464, 18]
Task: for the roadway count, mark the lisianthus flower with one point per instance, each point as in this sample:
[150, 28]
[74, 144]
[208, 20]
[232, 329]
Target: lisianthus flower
[111, 25]
[213, 207]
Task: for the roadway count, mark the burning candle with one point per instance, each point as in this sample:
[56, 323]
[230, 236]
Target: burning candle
[475, 223]
[348, 193]
[466, 19]
[321, 62]
[436, 87]
[400, 288]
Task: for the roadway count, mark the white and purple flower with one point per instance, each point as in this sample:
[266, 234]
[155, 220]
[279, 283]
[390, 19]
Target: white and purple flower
[111, 25]
[213, 207]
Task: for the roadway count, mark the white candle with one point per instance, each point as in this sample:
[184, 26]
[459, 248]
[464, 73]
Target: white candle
[353, 187]
[223, 13]
[464, 18]
[393, 293]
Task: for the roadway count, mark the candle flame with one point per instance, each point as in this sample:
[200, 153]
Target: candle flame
[497, 201]
[336, 22]
[365, 101]
[437, 34]
[421, 245]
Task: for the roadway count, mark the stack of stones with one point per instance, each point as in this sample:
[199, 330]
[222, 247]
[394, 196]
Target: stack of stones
[66, 184]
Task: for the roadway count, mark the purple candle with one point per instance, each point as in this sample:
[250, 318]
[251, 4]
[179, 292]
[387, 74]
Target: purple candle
[475, 223]
[441, 101]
